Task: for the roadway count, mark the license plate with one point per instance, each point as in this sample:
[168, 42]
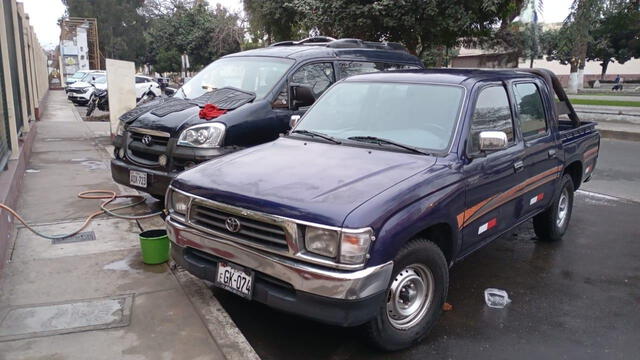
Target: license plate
[138, 178]
[236, 279]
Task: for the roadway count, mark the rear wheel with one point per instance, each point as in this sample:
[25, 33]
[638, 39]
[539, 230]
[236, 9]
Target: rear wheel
[415, 296]
[551, 224]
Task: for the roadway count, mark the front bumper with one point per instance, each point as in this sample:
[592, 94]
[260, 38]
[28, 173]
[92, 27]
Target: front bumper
[157, 181]
[337, 297]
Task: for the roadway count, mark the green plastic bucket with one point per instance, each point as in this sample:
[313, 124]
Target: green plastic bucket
[155, 246]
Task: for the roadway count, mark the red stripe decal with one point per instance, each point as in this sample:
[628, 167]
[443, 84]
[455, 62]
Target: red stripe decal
[492, 223]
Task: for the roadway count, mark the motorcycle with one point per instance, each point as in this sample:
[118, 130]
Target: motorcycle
[100, 100]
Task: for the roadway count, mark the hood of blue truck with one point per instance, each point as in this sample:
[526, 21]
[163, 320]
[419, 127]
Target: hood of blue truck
[304, 180]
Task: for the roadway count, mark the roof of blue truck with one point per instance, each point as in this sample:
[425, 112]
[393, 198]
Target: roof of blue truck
[443, 75]
[300, 52]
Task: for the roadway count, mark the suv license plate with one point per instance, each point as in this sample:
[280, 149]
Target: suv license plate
[138, 178]
[236, 279]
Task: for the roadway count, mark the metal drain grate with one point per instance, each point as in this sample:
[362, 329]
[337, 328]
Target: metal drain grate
[81, 236]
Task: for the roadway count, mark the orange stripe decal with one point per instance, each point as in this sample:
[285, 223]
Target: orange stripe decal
[473, 213]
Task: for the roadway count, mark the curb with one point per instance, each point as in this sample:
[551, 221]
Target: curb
[619, 135]
[225, 333]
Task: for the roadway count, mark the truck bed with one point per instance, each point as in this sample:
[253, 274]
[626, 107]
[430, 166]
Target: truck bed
[568, 132]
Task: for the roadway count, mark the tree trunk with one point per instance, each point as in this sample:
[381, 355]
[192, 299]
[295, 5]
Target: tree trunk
[531, 62]
[573, 78]
[605, 65]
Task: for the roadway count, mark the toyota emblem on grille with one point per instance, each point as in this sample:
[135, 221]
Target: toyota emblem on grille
[147, 140]
[232, 224]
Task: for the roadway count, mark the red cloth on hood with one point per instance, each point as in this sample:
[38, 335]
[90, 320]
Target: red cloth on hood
[210, 111]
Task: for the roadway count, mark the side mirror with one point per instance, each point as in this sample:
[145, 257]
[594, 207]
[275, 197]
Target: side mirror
[492, 140]
[301, 96]
[169, 91]
[294, 121]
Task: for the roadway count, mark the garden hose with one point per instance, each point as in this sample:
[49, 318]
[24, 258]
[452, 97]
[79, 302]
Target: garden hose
[107, 195]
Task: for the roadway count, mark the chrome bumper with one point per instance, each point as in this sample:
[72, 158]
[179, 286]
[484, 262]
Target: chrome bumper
[337, 284]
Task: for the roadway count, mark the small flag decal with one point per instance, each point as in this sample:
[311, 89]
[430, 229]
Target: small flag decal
[536, 198]
[488, 225]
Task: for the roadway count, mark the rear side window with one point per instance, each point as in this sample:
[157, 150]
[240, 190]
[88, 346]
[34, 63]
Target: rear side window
[140, 80]
[492, 113]
[350, 68]
[530, 110]
[318, 76]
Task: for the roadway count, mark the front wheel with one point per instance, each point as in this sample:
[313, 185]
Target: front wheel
[415, 296]
[551, 224]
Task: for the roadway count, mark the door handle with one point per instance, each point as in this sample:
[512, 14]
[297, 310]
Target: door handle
[518, 166]
[552, 153]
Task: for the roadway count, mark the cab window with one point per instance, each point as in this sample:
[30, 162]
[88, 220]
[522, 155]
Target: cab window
[492, 113]
[318, 76]
[530, 110]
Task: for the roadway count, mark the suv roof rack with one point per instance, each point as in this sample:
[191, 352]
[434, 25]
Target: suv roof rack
[346, 43]
[314, 40]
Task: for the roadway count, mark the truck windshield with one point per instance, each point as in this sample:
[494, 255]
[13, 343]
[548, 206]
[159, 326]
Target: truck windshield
[78, 75]
[417, 115]
[254, 74]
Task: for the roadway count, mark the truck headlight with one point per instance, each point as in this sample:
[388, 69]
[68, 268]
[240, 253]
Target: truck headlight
[179, 202]
[203, 135]
[321, 241]
[354, 245]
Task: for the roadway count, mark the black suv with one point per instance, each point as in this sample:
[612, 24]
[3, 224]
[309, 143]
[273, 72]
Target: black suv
[256, 95]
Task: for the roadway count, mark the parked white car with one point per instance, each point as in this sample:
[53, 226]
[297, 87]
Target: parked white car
[81, 92]
[147, 88]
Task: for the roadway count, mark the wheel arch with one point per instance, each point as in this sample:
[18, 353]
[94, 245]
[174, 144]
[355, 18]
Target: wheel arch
[574, 169]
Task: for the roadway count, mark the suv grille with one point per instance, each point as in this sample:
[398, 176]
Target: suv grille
[146, 154]
[155, 140]
[250, 230]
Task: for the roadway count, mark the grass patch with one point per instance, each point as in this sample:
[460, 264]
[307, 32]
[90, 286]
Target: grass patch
[605, 102]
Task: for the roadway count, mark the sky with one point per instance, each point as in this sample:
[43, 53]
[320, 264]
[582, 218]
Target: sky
[44, 15]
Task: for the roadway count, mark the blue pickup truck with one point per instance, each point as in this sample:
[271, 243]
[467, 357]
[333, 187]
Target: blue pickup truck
[356, 215]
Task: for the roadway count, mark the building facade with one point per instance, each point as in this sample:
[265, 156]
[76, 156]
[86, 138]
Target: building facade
[23, 86]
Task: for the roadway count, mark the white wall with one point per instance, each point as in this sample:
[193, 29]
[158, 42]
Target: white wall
[121, 88]
[591, 68]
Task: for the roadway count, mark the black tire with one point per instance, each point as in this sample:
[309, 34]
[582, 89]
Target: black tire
[380, 330]
[547, 225]
[91, 107]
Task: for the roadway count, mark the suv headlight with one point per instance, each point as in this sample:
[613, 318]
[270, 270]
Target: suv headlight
[348, 246]
[203, 135]
[120, 128]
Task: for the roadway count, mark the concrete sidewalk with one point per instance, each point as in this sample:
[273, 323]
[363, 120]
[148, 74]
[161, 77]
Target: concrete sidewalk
[95, 298]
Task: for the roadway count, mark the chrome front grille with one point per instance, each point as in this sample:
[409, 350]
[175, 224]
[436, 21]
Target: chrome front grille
[146, 152]
[155, 140]
[250, 230]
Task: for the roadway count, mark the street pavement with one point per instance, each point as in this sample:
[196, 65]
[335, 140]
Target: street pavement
[95, 299]
[575, 299]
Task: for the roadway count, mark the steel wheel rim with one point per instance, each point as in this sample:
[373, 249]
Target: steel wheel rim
[563, 208]
[410, 296]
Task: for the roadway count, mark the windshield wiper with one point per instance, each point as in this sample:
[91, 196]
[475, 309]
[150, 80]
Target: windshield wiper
[317, 134]
[380, 141]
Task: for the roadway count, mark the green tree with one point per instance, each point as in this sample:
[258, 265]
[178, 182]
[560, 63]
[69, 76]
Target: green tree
[202, 33]
[422, 26]
[120, 25]
[616, 35]
[272, 20]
